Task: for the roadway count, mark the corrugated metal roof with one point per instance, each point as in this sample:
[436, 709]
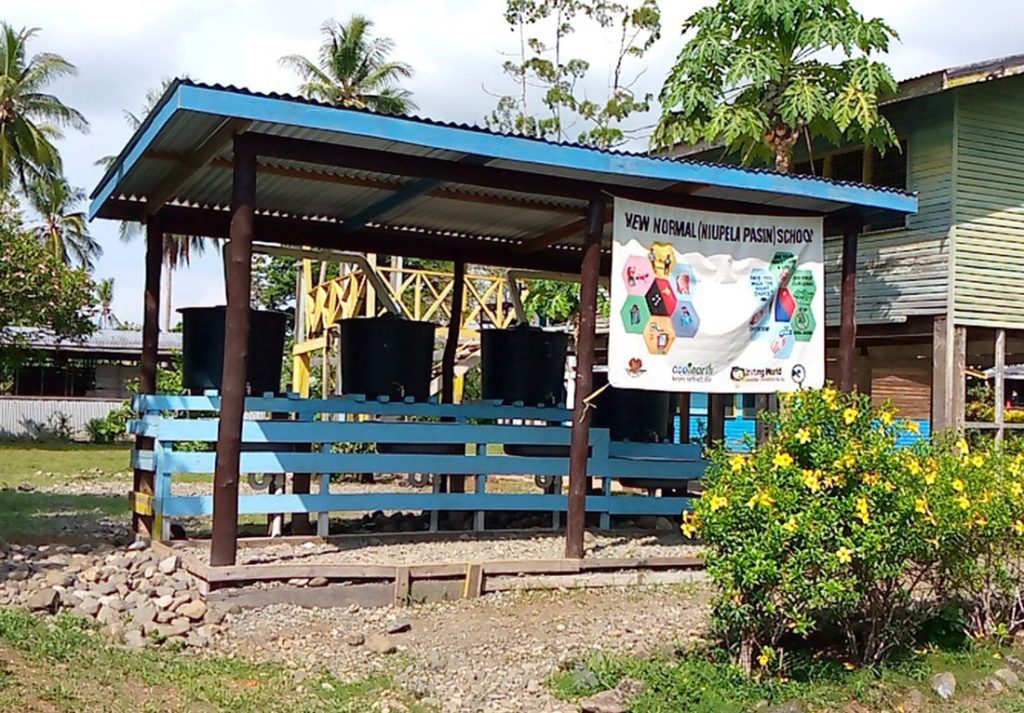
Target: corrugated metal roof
[105, 341]
[190, 113]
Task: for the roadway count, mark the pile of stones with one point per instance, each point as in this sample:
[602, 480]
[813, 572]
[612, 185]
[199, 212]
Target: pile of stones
[136, 596]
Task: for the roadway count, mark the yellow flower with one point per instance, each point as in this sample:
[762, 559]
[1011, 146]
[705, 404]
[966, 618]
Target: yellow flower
[862, 510]
[914, 466]
[812, 479]
[964, 502]
[844, 555]
[803, 435]
[872, 478]
[890, 486]
[850, 415]
[1018, 527]
[762, 497]
[921, 506]
[766, 657]
[791, 527]
[782, 460]
[959, 485]
[690, 524]
[913, 427]
[886, 418]
[978, 460]
[718, 502]
[834, 480]
[930, 477]
[962, 448]
[986, 496]
[980, 520]
[737, 462]
[1016, 489]
[830, 396]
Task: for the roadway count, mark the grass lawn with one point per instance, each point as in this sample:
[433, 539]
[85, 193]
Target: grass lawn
[698, 684]
[66, 666]
[19, 462]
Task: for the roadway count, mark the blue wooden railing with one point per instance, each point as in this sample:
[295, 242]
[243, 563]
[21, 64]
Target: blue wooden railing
[270, 446]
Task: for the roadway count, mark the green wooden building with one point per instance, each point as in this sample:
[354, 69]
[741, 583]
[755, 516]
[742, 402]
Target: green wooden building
[937, 292]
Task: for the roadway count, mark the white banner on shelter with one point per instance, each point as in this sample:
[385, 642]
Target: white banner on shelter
[715, 302]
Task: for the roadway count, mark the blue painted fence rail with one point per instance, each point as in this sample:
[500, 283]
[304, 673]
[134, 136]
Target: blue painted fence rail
[269, 448]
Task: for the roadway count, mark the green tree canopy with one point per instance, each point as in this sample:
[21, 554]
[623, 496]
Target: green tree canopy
[757, 76]
[31, 119]
[39, 290]
[63, 227]
[353, 69]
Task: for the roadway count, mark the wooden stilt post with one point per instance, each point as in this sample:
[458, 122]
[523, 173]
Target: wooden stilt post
[848, 310]
[143, 480]
[456, 483]
[940, 371]
[683, 411]
[716, 418]
[958, 395]
[236, 347]
[579, 449]
[1000, 395]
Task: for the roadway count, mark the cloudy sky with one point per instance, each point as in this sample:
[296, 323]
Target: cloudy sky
[124, 47]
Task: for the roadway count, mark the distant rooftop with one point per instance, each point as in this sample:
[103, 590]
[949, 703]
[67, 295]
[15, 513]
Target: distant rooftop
[122, 342]
[952, 77]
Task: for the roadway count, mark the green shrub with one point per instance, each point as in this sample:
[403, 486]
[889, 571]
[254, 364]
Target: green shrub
[817, 529]
[111, 428]
[829, 529]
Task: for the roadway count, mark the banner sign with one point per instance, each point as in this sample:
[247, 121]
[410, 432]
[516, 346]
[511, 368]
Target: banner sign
[715, 302]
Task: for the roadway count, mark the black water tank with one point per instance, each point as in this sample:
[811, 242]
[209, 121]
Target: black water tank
[631, 414]
[523, 364]
[386, 356]
[202, 349]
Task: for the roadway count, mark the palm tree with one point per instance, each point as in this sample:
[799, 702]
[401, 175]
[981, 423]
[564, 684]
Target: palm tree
[63, 228]
[353, 69]
[105, 293]
[30, 119]
[177, 249]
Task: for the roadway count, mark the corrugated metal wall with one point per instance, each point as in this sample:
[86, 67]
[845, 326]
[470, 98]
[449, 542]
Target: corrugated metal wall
[24, 417]
[989, 205]
[905, 272]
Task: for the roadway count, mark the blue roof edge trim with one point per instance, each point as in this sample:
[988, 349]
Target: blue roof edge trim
[268, 109]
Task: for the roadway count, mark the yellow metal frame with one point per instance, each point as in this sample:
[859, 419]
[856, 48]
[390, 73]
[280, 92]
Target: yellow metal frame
[422, 295]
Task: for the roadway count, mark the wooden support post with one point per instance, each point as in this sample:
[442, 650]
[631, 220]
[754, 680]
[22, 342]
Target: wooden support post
[760, 409]
[848, 311]
[456, 483]
[940, 372]
[1000, 387]
[579, 449]
[236, 346]
[143, 480]
[958, 395]
[716, 418]
[683, 411]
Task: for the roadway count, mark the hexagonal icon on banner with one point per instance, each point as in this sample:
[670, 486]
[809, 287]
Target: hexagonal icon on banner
[656, 301]
[659, 335]
[635, 314]
[685, 320]
[763, 284]
[667, 293]
[683, 280]
[782, 343]
[663, 257]
[803, 287]
[782, 266]
[804, 323]
[637, 274]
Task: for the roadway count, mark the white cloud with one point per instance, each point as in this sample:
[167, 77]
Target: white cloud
[124, 47]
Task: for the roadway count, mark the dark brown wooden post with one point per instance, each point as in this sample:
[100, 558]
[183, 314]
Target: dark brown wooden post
[716, 418]
[456, 483]
[848, 310]
[683, 411]
[579, 450]
[236, 347]
[143, 480]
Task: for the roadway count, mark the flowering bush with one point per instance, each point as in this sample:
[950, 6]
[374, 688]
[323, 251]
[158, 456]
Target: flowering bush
[829, 527]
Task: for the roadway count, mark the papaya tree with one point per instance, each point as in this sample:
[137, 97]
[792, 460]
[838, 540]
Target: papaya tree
[757, 76]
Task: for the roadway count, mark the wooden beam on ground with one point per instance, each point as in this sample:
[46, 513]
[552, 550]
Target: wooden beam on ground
[579, 448]
[848, 311]
[144, 480]
[236, 346]
[202, 156]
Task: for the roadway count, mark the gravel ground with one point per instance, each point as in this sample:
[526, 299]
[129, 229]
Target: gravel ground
[459, 549]
[486, 655]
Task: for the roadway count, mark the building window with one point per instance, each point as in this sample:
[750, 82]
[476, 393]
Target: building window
[889, 171]
[803, 168]
[848, 166]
